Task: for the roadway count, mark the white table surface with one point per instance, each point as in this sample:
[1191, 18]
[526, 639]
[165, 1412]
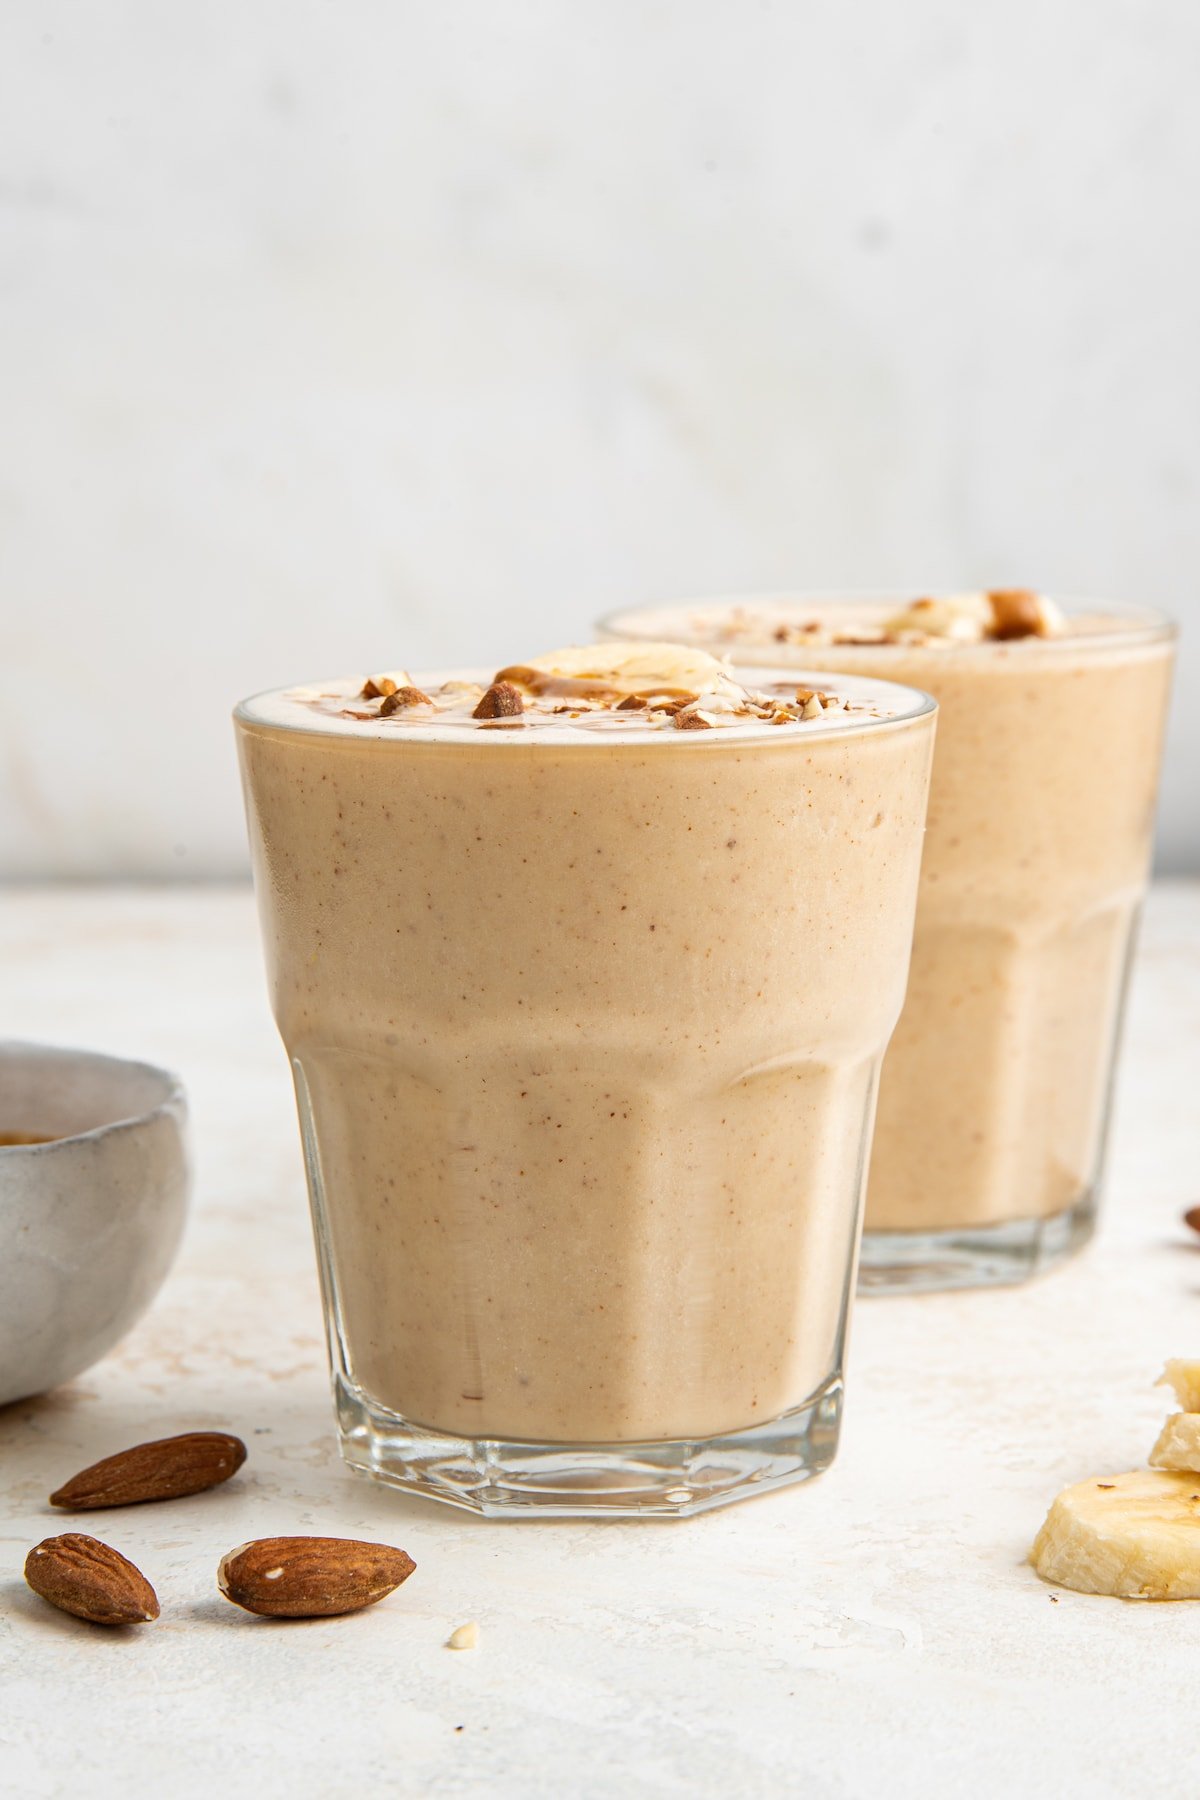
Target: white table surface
[873, 1633]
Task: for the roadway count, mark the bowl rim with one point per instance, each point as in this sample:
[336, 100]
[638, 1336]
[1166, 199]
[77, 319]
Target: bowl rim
[174, 1096]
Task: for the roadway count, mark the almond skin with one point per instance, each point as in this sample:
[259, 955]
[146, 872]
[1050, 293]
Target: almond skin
[81, 1575]
[1016, 613]
[501, 701]
[400, 698]
[166, 1469]
[310, 1577]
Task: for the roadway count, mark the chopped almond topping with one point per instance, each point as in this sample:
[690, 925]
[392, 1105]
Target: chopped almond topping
[402, 697]
[501, 701]
[1017, 613]
[647, 696]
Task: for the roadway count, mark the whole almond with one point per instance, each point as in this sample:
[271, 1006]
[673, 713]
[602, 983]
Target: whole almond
[90, 1579]
[166, 1469]
[310, 1577]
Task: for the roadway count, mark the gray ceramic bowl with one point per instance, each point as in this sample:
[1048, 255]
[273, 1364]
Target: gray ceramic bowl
[90, 1221]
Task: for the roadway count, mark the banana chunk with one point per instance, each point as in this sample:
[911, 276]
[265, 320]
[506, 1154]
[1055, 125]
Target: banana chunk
[633, 666]
[1178, 1445]
[1136, 1536]
[1184, 1377]
[964, 618]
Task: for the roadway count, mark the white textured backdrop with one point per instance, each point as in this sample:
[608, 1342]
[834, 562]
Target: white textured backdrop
[346, 334]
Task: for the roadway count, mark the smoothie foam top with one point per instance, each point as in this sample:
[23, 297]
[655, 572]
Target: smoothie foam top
[1020, 620]
[618, 689]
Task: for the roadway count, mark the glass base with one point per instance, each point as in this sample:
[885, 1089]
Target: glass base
[667, 1480]
[921, 1262]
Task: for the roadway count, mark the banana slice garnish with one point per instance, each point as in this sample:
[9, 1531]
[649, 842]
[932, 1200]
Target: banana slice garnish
[1184, 1377]
[630, 668]
[965, 618]
[1135, 1536]
[1178, 1444]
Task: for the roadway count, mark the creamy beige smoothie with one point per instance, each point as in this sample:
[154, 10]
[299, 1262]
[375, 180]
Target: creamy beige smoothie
[995, 1091]
[585, 972]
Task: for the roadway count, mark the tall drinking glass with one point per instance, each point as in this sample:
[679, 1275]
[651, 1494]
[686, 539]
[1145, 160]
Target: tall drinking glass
[585, 1013]
[995, 1096]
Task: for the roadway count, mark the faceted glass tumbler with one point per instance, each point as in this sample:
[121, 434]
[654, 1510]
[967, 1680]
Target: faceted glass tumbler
[585, 1039]
[995, 1093]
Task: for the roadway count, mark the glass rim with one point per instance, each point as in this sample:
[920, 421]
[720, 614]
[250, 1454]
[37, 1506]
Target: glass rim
[1147, 624]
[249, 714]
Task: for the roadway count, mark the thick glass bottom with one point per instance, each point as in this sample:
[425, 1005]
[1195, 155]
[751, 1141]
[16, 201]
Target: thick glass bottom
[916, 1262]
[668, 1480]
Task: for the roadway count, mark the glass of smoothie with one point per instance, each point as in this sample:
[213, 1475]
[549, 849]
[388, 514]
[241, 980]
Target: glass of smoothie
[585, 969]
[995, 1096]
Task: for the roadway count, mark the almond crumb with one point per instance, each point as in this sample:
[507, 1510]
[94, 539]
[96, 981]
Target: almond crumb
[501, 701]
[401, 697]
[377, 690]
[692, 721]
[463, 1637]
[1016, 613]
